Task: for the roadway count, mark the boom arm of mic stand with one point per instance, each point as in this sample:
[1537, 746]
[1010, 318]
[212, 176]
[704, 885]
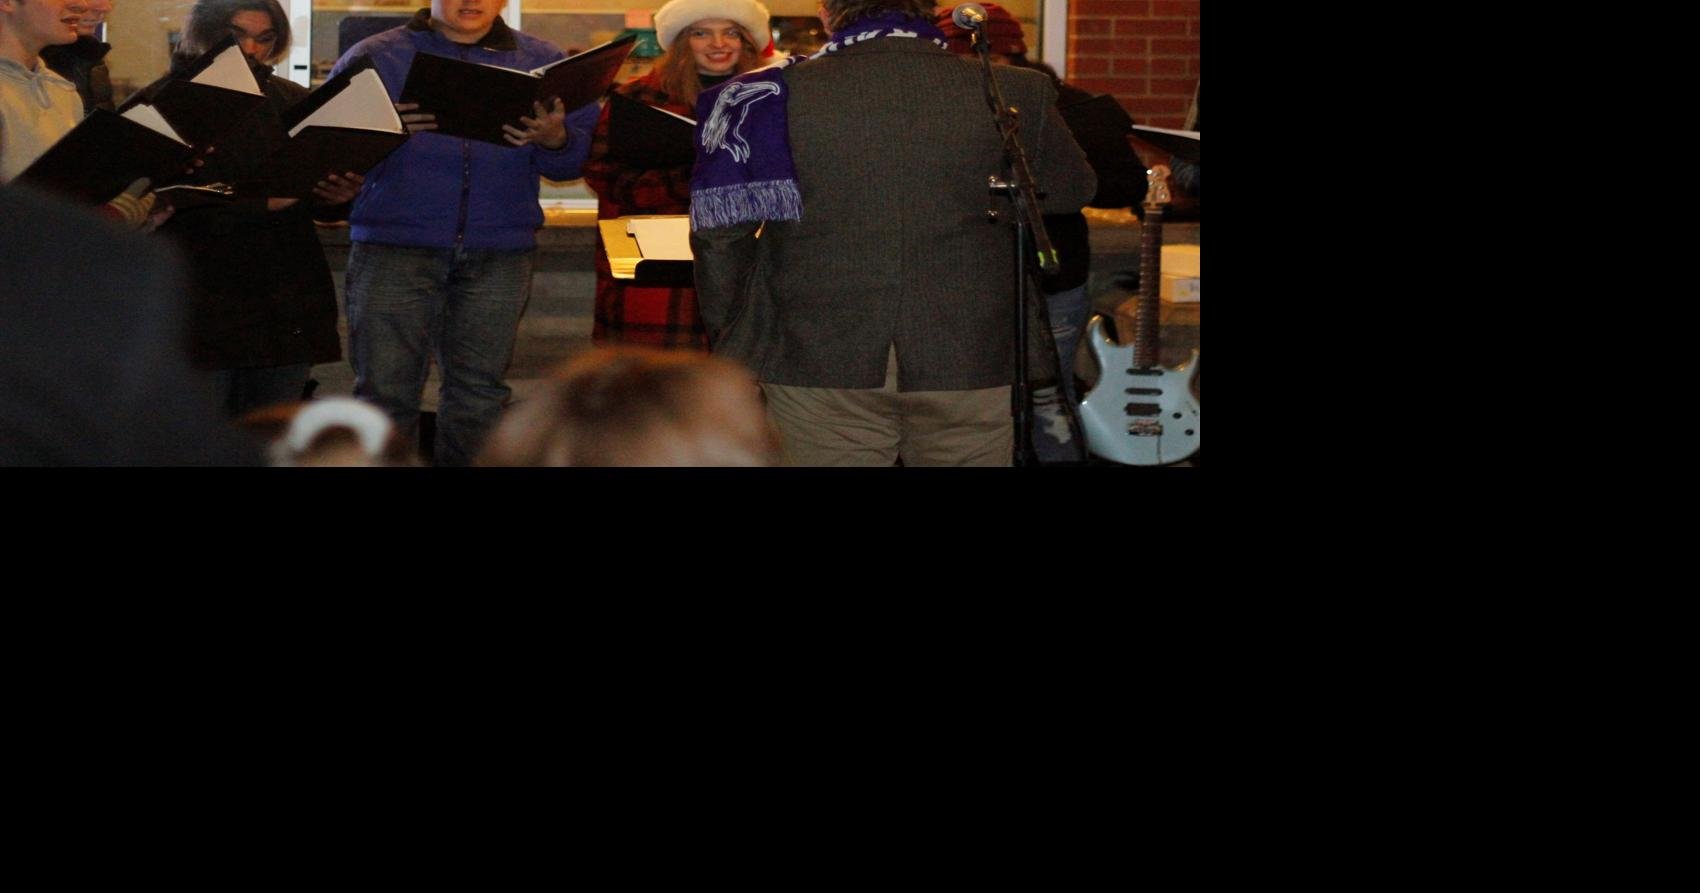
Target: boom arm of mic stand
[1021, 188]
[1028, 226]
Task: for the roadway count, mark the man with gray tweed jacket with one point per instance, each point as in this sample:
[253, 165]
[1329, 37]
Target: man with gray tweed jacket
[875, 306]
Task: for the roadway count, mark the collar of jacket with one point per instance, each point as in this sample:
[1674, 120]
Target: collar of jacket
[16, 72]
[500, 37]
[83, 47]
[892, 45]
[34, 81]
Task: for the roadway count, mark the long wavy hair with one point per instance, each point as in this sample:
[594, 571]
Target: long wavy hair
[209, 22]
[676, 70]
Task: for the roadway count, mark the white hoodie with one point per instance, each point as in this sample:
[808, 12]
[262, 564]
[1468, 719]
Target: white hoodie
[37, 108]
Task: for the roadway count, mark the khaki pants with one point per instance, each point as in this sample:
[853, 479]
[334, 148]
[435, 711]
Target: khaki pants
[833, 426]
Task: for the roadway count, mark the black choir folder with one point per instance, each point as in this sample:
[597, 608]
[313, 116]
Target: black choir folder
[647, 138]
[347, 124]
[473, 100]
[156, 133]
[1182, 144]
[106, 152]
[209, 99]
[1100, 126]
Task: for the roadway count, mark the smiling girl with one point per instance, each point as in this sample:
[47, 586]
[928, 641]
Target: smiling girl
[707, 41]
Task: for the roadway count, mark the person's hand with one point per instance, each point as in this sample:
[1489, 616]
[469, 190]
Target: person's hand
[548, 129]
[158, 217]
[199, 161]
[131, 207]
[278, 204]
[335, 189]
[415, 122]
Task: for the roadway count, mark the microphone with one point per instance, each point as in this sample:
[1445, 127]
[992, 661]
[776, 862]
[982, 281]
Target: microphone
[969, 16]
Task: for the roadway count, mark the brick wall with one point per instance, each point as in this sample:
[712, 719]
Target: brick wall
[1143, 52]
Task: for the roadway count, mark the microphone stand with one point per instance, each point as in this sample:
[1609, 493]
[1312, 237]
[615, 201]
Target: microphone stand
[1030, 234]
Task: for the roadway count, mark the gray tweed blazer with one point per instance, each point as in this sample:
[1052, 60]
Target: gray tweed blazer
[893, 144]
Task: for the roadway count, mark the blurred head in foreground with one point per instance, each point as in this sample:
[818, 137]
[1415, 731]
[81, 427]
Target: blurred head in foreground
[632, 406]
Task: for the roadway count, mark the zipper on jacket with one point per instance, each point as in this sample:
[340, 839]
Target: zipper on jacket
[465, 189]
[465, 171]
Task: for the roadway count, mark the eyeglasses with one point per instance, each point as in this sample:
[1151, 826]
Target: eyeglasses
[267, 39]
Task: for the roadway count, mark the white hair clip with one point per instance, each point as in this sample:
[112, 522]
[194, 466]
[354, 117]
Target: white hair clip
[367, 421]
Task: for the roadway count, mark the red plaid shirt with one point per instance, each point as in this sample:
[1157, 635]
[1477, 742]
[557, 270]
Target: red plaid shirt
[663, 317]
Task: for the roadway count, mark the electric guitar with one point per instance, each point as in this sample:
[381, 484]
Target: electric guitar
[1140, 413]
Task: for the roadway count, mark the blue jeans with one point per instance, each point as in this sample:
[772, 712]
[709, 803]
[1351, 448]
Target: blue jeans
[239, 390]
[460, 306]
[1054, 438]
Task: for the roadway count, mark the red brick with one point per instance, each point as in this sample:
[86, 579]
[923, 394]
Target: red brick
[1174, 46]
[1088, 66]
[1176, 8]
[1128, 65]
[1172, 123]
[1109, 8]
[1107, 46]
[1118, 86]
[1152, 27]
[1196, 24]
[1172, 86]
[1171, 65]
[1090, 26]
[1158, 105]
[1192, 66]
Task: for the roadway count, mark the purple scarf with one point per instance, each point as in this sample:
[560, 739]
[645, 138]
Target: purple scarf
[743, 171]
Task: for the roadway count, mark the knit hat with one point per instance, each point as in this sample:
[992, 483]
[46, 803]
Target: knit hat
[681, 14]
[1003, 32]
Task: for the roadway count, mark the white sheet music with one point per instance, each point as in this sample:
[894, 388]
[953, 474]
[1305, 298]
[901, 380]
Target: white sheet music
[1189, 134]
[150, 117]
[363, 104]
[662, 238]
[230, 71]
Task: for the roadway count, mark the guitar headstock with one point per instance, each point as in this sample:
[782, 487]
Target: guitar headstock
[1157, 186]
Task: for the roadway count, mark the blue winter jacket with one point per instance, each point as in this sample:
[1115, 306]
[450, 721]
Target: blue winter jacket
[440, 191]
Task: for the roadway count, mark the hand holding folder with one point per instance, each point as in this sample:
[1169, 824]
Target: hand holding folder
[158, 134]
[480, 102]
[344, 127]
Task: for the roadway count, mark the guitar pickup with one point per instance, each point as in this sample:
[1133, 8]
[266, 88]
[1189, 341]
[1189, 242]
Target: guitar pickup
[1145, 428]
[1143, 409]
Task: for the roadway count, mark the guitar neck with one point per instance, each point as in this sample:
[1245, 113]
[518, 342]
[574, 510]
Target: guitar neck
[1145, 329]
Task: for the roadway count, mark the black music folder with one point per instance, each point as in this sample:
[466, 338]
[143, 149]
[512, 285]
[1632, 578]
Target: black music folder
[1182, 144]
[347, 124]
[213, 96]
[647, 138]
[106, 152]
[1101, 126]
[473, 100]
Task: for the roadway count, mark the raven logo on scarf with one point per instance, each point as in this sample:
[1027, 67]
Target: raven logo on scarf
[715, 132]
[755, 179]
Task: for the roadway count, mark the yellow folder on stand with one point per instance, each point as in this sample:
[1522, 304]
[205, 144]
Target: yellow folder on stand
[665, 265]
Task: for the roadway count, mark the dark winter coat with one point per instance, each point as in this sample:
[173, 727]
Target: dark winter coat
[261, 293]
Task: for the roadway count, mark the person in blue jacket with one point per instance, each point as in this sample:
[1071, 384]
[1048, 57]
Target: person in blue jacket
[444, 230]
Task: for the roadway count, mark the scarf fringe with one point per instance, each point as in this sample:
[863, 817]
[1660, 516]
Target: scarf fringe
[745, 203]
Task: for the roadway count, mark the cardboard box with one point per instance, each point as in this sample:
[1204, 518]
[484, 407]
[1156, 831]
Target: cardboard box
[1179, 289]
[1180, 280]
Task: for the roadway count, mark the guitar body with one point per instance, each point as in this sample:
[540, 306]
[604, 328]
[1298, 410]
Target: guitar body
[1140, 413]
[1138, 416]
